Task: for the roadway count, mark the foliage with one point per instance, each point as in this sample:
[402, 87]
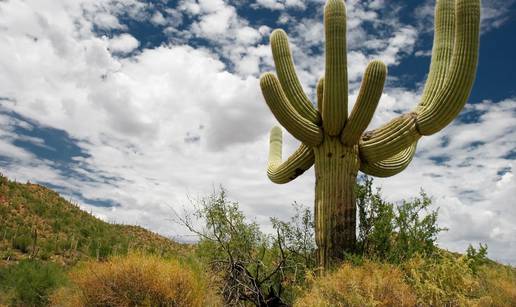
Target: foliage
[395, 233]
[370, 284]
[376, 221]
[29, 282]
[252, 266]
[444, 280]
[298, 240]
[461, 280]
[133, 280]
[497, 285]
[477, 258]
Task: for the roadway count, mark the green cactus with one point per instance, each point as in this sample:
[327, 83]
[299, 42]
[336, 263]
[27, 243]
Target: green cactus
[336, 143]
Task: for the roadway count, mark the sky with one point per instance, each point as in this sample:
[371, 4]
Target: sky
[133, 109]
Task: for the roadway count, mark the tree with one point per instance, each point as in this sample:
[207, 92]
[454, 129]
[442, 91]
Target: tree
[337, 144]
[395, 233]
[252, 266]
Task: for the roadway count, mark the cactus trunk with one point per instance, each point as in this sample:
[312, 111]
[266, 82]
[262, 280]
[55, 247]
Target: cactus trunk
[336, 168]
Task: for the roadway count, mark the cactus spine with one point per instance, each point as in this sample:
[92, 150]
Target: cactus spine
[336, 143]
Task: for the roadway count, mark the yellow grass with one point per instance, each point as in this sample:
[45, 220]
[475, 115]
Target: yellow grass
[134, 280]
[371, 284]
[497, 286]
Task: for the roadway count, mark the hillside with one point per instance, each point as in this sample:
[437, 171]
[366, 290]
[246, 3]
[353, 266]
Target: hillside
[36, 222]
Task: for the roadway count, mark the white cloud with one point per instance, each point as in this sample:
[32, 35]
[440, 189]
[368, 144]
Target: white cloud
[270, 4]
[158, 19]
[279, 4]
[106, 21]
[495, 13]
[123, 43]
[215, 23]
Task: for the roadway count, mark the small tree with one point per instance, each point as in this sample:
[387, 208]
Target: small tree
[477, 258]
[298, 238]
[395, 232]
[252, 266]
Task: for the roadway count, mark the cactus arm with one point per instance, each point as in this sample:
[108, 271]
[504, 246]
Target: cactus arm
[368, 97]
[390, 166]
[442, 100]
[282, 172]
[335, 108]
[320, 94]
[302, 129]
[441, 51]
[459, 81]
[288, 77]
[390, 139]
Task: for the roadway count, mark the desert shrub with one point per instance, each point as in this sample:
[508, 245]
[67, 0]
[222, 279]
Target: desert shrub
[30, 282]
[477, 258]
[251, 266]
[391, 232]
[376, 221]
[370, 284]
[69, 296]
[444, 280]
[134, 280]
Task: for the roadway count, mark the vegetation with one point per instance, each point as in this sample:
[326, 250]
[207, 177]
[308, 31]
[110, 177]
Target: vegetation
[396, 260]
[332, 141]
[134, 280]
[250, 265]
[395, 233]
[30, 282]
[444, 280]
[37, 223]
[370, 284]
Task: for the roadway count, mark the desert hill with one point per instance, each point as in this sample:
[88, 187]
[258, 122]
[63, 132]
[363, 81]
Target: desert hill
[36, 222]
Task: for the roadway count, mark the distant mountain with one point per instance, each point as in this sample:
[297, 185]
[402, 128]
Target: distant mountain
[36, 222]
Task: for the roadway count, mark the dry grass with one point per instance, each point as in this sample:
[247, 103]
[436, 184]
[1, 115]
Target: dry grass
[444, 281]
[497, 286]
[134, 280]
[371, 284]
[448, 281]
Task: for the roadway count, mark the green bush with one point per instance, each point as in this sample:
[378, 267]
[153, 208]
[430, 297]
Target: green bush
[477, 258]
[395, 233]
[30, 282]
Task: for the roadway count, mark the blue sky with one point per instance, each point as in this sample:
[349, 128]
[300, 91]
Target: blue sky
[131, 107]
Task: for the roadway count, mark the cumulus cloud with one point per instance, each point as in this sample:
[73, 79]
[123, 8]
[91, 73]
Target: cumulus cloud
[158, 19]
[123, 43]
[279, 4]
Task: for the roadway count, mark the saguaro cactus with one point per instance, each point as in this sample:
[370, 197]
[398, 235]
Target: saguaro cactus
[336, 143]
